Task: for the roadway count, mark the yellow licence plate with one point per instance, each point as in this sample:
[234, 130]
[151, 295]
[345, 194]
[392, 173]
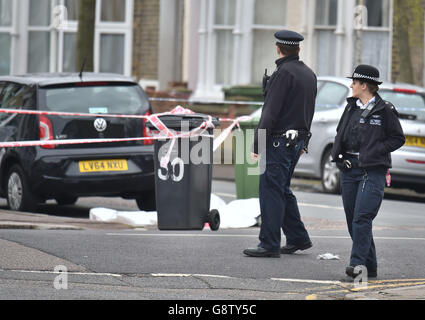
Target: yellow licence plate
[415, 141]
[103, 165]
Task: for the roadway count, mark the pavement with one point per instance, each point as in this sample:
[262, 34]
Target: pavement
[21, 220]
[25, 220]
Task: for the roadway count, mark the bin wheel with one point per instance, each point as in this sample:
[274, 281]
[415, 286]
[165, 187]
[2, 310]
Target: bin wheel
[214, 219]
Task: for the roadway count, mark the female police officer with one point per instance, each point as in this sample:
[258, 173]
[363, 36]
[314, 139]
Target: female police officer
[368, 131]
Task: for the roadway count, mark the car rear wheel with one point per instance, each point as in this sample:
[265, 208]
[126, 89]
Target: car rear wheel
[19, 195]
[147, 202]
[330, 174]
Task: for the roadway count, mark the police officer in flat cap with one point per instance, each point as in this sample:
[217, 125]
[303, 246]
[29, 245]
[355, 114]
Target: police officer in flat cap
[289, 100]
[368, 131]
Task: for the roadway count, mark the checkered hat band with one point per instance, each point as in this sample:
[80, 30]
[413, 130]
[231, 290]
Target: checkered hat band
[358, 75]
[293, 43]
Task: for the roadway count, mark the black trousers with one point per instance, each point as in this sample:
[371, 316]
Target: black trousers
[279, 208]
[362, 194]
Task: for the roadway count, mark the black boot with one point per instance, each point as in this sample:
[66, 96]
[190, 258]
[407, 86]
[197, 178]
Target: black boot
[261, 253]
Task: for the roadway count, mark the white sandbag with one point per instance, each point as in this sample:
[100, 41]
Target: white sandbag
[216, 202]
[103, 214]
[137, 218]
[132, 218]
[240, 213]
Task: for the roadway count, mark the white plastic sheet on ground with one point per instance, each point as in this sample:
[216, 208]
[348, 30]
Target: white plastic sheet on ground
[236, 214]
[328, 256]
[132, 218]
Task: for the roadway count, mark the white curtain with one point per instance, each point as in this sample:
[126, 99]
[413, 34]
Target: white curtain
[326, 12]
[378, 13]
[113, 10]
[268, 16]
[69, 50]
[5, 13]
[4, 53]
[40, 12]
[264, 55]
[270, 12]
[224, 21]
[112, 53]
[72, 7]
[225, 12]
[326, 52]
[224, 56]
[38, 51]
[376, 51]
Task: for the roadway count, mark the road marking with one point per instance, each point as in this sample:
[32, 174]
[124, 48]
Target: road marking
[375, 238]
[395, 280]
[307, 281]
[322, 206]
[346, 287]
[68, 272]
[388, 286]
[186, 275]
[183, 235]
[186, 235]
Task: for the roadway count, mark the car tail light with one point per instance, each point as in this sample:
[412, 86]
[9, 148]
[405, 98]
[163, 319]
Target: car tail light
[415, 161]
[46, 131]
[404, 90]
[146, 131]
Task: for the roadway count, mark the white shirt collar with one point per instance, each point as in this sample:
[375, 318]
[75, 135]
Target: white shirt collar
[362, 106]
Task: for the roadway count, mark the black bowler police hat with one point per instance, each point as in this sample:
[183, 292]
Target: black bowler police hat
[288, 37]
[366, 73]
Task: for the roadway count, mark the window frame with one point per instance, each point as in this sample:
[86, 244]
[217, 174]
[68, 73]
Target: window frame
[326, 26]
[382, 28]
[242, 31]
[115, 28]
[20, 29]
[263, 27]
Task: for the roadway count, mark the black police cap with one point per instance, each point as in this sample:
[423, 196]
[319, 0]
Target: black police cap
[288, 37]
[366, 73]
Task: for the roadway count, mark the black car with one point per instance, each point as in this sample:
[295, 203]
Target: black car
[31, 175]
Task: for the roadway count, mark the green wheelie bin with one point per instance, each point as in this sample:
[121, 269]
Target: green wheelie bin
[246, 169]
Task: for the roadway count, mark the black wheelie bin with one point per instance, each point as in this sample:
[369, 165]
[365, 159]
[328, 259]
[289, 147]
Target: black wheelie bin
[183, 183]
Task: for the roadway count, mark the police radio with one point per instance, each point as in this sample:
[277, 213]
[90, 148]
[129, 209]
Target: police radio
[265, 80]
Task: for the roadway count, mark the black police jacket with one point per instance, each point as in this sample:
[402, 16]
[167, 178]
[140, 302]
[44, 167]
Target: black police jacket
[381, 135]
[289, 99]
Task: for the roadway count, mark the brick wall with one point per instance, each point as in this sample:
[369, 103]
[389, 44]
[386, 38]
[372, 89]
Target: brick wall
[145, 39]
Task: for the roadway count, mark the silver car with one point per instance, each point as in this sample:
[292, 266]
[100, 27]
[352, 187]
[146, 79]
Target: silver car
[408, 162]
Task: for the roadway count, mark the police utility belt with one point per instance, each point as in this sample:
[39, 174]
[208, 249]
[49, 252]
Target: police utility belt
[293, 136]
[348, 161]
